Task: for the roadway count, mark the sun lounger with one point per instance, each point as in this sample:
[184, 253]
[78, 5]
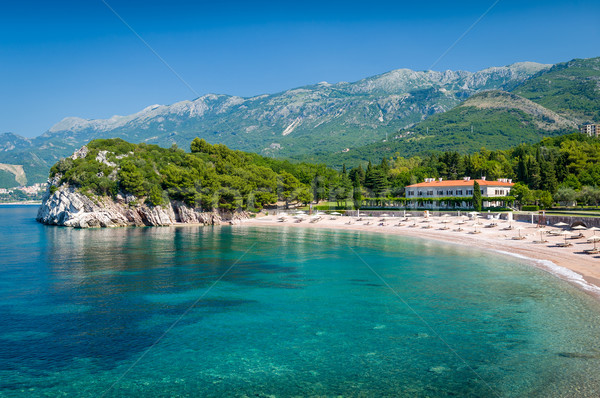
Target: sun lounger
[591, 251]
[563, 244]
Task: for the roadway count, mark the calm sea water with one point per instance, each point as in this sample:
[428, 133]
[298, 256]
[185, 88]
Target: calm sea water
[236, 311]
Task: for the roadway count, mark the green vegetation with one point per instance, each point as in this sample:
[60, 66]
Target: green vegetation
[476, 196]
[563, 169]
[569, 88]
[16, 195]
[212, 176]
[493, 120]
[7, 180]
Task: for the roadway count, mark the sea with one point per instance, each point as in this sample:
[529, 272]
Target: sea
[239, 311]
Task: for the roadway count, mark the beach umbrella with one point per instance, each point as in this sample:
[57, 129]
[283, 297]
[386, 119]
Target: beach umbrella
[595, 240]
[561, 224]
[520, 229]
[542, 231]
[565, 234]
[579, 227]
[594, 229]
[385, 215]
[335, 213]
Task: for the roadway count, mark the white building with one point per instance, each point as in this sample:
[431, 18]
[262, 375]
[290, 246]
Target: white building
[432, 189]
[592, 130]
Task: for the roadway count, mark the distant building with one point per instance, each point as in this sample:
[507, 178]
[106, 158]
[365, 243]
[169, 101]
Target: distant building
[592, 130]
[432, 188]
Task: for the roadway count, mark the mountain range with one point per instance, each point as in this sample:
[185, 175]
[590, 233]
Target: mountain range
[401, 111]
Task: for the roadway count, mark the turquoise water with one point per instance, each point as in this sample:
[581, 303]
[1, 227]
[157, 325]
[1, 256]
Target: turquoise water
[238, 311]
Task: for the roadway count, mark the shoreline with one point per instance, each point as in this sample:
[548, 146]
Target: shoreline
[20, 203]
[570, 264]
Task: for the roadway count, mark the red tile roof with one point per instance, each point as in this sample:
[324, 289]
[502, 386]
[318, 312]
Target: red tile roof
[460, 183]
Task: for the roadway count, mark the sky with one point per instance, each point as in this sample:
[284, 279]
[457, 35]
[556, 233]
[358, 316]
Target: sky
[95, 58]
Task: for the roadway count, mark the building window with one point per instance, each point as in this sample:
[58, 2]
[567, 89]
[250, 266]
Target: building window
[440, 193]
[449, 193]
[459, 192]
[420, 193]
[469, 192]
[430, 193]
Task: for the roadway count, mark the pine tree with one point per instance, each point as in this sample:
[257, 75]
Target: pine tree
[357, 195]
[476, 196]
[370, 177]
[522, 173]
[534, 173]
[548, 178]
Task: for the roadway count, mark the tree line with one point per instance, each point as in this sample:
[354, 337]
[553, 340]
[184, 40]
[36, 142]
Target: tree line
[563, 170]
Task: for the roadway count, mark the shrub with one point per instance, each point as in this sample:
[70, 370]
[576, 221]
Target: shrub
[530, 208]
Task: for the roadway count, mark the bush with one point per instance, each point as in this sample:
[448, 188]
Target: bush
[530, 208]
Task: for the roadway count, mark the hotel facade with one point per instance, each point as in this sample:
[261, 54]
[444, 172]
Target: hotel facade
[424, 194]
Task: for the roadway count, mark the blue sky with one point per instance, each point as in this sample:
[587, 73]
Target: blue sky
[76, 58]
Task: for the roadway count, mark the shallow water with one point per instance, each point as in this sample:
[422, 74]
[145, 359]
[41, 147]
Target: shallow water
[237, 311]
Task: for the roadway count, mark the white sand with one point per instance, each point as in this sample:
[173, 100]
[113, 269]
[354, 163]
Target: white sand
[569, 263]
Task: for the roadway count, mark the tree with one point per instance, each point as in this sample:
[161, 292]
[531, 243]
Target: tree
[304, 195]
[589, 195]
[476, 196]
[566, 196]
[522, 193]
[548, 177]
[543, 198]
[287, 186]
[357, 174]
[131, 180]
[534, 173]
[357, 196]
[200, 146]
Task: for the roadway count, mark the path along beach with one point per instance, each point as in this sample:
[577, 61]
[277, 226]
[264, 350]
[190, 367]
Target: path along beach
[544, 249]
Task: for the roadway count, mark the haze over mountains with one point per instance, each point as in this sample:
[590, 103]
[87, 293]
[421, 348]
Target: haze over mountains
[347, 122]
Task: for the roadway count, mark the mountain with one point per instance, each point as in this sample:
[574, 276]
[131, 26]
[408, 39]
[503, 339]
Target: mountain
[491, 119]
[571, 89]
[553, 101]
[327, 116]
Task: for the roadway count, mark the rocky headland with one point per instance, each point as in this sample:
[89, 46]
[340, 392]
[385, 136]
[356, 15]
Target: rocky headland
[66, 206]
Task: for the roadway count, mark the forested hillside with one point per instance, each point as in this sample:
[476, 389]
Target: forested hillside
[210, 176]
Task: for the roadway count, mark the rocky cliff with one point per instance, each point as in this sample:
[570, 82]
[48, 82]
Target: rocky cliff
[68, 207]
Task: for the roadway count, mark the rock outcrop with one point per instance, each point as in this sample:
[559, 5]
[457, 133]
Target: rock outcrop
[68, 207]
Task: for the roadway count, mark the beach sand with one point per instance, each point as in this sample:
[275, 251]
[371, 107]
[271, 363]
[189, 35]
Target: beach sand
[569, 263]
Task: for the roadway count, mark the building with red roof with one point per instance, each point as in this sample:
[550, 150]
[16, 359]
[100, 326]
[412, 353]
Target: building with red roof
[433, 188]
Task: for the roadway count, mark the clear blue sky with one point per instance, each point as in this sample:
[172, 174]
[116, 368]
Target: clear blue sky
[76, 58]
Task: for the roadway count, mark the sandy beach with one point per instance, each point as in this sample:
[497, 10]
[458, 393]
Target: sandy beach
[570, 263]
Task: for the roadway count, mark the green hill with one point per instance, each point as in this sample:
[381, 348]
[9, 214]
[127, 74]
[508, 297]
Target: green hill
[571, 89]
[211, 176]
[492, 119]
